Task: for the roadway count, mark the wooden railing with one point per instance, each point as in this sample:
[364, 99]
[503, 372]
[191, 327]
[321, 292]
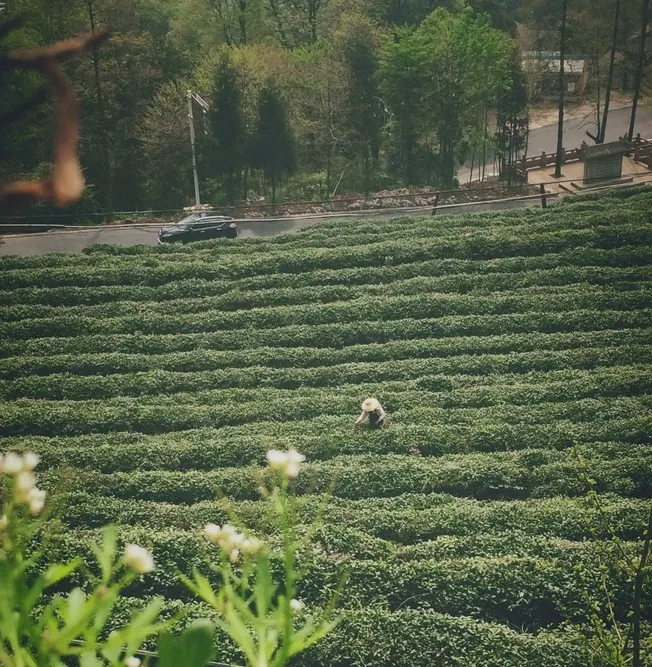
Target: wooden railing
[642, 152]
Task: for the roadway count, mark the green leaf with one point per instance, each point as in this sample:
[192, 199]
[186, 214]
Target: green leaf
[141, 625]
[105, 553]
[193, 648]
[74, 607]
[59, 571]
[89, 660]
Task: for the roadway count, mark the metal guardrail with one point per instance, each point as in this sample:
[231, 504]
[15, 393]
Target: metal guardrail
[436, 206]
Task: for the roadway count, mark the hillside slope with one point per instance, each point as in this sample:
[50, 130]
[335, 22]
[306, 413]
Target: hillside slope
[154, 376]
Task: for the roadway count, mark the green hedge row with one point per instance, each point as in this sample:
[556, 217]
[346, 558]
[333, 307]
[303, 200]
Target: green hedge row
[406, 520]
[64, 418]
[380, 638]
[436, 391]
[335, 335]
[41, 417]
[208, 449]
[383, 308]
[626, 470]
[239, 299]
[24, 375]
[453, 274]
[529, 591]
[392, 251]
[80, 388]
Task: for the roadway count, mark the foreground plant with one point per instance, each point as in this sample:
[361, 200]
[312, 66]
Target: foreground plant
[614, 641]
[264, 616]
[39, 629]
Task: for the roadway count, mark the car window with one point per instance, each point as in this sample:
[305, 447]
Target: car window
[187, 220]
[202, 224]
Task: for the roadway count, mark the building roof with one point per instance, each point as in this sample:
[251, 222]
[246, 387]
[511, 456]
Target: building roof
[604, 150]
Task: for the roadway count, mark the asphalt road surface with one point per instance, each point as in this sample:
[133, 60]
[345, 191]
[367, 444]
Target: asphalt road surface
[77, 240]
[545, 138]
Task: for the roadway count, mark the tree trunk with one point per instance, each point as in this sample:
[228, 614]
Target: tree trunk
[312, 19]
[484, 139]
[104, 142]
[612, 59]
[639, 67]
[242, 20]
[273, 187]
[562, 91]
[279, 24]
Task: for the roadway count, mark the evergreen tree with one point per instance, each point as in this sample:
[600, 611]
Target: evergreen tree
[512, 120]
[227, 145]
[365, 111]
[272, 146]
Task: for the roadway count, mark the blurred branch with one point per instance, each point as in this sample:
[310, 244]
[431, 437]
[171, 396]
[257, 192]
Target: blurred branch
[66, 182]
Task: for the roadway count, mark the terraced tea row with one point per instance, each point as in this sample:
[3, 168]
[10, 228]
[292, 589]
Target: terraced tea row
[454, 275]
[150, 378]
[337, 335]
[237, 300]
[623, 469]
[406, 520]
[309, 259]
[501, 588]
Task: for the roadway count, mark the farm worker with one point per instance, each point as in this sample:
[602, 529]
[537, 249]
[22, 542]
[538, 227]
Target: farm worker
[372, 411]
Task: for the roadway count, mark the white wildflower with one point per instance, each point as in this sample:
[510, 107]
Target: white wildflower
[138, 559]
[287, 462]
[25, 482]
[277, 460]
[30, 460]
[13, 463]
[234, 555]
[36, 500]
[4, 522]
[296, 605]
[251, 546]
[294, 461]
[213, 532]
[132, 661]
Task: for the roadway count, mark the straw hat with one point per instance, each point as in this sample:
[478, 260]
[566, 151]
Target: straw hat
[370, 404]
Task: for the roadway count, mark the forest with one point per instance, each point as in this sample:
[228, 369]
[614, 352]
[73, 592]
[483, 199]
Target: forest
[303, 98]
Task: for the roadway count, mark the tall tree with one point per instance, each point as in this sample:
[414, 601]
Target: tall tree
[232, 15]
[227, 143]
[645, 18]
[562, 90]
[404, 80]
[365, 111]
[272, 146]
[512, 120]
[612, 60]
[102, 119]
[163, 137]
[463, 63]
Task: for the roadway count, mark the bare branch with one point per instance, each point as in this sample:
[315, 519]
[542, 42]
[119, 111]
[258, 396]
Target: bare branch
[34, 58]
[66, 182]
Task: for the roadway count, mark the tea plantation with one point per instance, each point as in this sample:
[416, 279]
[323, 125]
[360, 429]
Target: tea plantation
[149, 378]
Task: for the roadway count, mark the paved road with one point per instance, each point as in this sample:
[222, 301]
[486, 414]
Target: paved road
[545, 138]
[76, 240]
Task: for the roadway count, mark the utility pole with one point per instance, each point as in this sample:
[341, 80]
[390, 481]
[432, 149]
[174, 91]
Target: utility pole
[204, 105]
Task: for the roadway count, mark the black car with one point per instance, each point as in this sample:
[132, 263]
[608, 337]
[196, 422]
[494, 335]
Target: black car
[198, 228]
